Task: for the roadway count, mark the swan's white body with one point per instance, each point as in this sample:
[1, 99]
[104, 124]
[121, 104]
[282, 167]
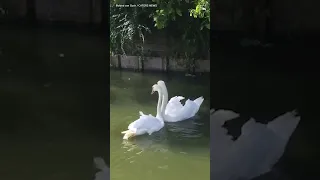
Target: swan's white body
[104, 173]
[255, 152]
[146, 124]
[174, 110]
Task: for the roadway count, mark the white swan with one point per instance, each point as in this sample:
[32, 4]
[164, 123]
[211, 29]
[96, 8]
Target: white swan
[104, 173]
[147, 123]
[174, 110]
[255, 152]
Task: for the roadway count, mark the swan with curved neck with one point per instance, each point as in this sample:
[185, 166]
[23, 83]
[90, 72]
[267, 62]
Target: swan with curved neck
[160, 105]
[147, 124]
[174, 111]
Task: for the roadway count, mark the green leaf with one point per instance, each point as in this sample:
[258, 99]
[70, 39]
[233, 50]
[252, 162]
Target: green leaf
[208, 26]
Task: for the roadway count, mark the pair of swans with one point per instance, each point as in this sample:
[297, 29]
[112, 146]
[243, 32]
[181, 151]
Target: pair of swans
[172, 111]
[255, 152]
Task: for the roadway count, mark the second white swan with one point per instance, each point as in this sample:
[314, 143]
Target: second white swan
[147, 124]
[174, 110]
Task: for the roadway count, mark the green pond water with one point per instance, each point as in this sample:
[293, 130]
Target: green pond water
[179, 151]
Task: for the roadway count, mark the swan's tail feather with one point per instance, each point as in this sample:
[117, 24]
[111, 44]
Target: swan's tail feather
[99, 163]
[285, 124]
[141, 113]
[199, 101]
[124, 132]
[180, 98]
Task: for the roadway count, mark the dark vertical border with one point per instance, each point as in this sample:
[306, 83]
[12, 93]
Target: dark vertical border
[211, 47]
[105, 5]
[105, 26]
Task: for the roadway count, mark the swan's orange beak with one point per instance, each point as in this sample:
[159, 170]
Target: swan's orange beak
[152, 91]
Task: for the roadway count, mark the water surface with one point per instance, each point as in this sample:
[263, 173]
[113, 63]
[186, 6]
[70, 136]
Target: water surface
[178, 151]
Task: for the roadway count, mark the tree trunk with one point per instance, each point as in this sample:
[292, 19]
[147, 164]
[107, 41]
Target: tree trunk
[167, 64]
[193, 66]
[119, 62]
[142, 63]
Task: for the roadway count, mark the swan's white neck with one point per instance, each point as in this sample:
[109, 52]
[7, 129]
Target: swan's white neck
[164, 93]
[159, 106]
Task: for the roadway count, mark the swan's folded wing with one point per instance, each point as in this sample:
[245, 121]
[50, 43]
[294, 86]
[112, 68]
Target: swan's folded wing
[145, 122]
[199, 101]
[189, 109]
[174, 105]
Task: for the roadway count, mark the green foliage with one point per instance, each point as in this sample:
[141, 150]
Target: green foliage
[127, 28]
[187, 24]
[166, 11]
[169, 10]
[185, 21]
[202, 10]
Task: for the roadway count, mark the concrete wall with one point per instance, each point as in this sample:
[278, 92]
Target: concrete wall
[156, 63]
